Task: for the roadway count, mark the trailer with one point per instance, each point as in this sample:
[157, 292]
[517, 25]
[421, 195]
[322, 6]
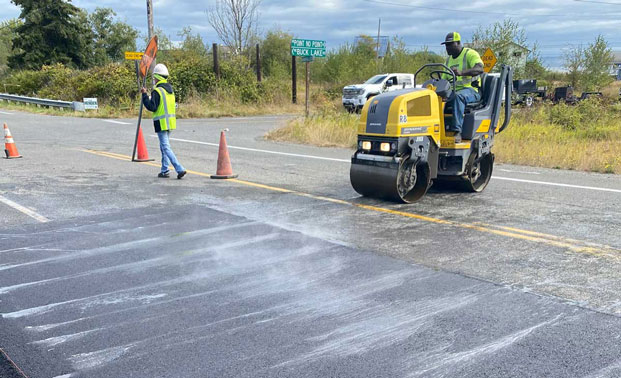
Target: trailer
[526, 91]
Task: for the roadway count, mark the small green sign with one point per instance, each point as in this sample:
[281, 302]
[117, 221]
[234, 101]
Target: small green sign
[308, 47]
[306, 59]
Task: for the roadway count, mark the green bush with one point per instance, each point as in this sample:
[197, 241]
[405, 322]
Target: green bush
[25, 83]
[192, 75]
[565, 116]
[112, 83]
[591, 118]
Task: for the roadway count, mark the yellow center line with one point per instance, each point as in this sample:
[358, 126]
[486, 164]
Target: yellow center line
[579, 246]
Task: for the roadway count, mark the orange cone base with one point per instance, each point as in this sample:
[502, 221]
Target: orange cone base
[142, 153]
[223, 176]
[11, 157]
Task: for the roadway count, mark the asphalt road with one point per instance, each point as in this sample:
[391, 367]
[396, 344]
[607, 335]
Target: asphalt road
[106, 270]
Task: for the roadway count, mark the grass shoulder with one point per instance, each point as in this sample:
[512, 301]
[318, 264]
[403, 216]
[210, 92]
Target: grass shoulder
[585, 137]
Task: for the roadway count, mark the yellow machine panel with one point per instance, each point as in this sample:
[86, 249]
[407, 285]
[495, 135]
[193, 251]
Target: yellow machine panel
[406, 113]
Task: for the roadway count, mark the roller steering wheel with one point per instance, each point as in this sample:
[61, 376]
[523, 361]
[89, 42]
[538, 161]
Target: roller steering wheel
[438, 75]
[444, 70]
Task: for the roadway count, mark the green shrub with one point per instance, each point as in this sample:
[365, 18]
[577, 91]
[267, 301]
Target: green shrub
[565, 116]
[193, 75]
[25, 83]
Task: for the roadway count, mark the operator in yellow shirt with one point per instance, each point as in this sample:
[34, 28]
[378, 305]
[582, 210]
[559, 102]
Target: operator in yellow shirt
[467, 65]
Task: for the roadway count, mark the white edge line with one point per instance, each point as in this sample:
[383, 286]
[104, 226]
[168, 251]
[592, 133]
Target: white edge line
[557, 184]
[257, 150]
[24, 210]
[119, 122]
[524, 172]
[7, 113]
[348, 161]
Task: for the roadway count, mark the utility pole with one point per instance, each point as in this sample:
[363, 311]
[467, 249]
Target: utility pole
[150, 18]
[258, 64]
[150, 31]
[379, 26]
[216, 63]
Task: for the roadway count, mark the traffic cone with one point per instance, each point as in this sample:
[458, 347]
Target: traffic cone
[9, 145]
[143, 154]
[224, 171]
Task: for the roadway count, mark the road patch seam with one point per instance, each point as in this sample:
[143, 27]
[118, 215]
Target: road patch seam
[20, 371]
[578, 246]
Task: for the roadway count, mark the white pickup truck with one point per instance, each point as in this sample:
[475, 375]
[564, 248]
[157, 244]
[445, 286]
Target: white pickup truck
[355, 96]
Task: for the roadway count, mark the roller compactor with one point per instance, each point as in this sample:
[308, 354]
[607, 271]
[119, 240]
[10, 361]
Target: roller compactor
[403, 146]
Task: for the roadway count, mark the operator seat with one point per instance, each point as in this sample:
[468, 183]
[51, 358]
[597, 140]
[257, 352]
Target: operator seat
[483, 109]
[479, 110]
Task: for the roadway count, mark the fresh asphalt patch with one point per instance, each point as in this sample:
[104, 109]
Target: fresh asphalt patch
[194, 291]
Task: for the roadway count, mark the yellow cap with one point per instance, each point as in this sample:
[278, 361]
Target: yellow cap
[451, 37]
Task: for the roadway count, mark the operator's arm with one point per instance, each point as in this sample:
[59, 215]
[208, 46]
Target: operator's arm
[151, 103]
[474, 65]
[474, 71]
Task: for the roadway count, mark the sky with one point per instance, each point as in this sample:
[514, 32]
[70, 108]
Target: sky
[554, 24]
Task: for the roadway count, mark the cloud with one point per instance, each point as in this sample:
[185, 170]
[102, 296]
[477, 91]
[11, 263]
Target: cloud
[553, 23]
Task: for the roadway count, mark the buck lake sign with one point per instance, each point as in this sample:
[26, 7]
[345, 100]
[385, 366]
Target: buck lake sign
[308, 47]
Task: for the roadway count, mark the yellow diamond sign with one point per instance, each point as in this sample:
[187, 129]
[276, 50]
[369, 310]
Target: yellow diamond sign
[489, 60]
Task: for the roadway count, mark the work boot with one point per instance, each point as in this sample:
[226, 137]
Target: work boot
[457, 137]
[163, 175]
[181, 174]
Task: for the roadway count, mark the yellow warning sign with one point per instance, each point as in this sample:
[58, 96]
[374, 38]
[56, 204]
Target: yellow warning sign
[489, 60]
[130, 55]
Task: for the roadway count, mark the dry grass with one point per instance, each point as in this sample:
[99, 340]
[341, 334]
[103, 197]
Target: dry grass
[534, 137]
[325, 129]
[612, 90]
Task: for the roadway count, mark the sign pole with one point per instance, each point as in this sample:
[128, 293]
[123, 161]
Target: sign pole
[307, 74]
[294, 81]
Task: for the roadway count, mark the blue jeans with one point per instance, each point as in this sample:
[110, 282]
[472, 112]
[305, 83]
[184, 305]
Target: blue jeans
[458, 101]
[168, 156]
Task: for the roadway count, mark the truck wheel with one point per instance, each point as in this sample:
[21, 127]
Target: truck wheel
[529, 101]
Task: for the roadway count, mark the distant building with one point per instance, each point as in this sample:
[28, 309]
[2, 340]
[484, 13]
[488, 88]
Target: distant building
[509, 53]
[615, 67]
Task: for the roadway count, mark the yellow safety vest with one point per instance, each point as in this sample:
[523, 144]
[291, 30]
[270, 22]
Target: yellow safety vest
[461, 63]
[165, 111]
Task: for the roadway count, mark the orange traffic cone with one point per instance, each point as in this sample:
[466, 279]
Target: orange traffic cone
[143, 154]
[9, 145]
[224, 171]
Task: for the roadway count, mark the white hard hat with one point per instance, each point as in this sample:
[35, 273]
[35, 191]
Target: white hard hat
[161, 70]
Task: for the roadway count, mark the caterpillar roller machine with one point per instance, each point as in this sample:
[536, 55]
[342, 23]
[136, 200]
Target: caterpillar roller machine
[403, 146]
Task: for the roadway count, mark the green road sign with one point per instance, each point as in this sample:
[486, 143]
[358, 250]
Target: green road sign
[308, 47]
[307, 59]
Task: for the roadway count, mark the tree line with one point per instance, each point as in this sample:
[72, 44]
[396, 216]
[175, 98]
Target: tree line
[51, 32]
[48, 32]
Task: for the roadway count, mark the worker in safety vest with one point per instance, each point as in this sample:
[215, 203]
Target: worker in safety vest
[162, 104]
[467, 66]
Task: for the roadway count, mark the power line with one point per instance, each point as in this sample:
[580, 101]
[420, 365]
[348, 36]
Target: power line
[440, 9]
[597, 2]
[496, 13]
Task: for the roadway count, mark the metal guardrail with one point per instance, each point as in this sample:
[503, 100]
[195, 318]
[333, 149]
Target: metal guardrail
[74, 105]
